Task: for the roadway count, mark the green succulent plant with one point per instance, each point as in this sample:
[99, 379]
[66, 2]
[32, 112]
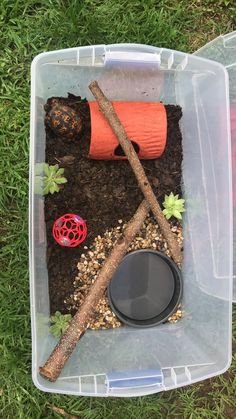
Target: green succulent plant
[173, 206]
[47, 178]
[59, 323]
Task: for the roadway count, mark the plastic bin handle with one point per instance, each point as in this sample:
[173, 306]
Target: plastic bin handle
[132, 57]
[133, 379]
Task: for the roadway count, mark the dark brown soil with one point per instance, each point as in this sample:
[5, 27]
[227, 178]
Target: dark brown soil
[102, 192]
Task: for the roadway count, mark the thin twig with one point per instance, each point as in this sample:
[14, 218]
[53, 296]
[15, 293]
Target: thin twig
[62, 412]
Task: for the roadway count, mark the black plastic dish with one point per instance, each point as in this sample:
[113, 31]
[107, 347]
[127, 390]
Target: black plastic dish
[145, 289]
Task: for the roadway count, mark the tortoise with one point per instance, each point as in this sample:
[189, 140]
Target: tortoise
[63, 120]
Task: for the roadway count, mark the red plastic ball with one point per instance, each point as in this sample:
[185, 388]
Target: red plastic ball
[69, 230]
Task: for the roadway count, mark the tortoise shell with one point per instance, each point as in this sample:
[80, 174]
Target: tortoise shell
[63, 121]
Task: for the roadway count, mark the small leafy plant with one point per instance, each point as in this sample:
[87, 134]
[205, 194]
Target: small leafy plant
[59, 323]
[53, 178]
[47, 178]
[173, 206]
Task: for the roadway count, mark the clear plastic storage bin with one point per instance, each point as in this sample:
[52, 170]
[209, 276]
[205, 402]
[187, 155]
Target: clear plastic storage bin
[127, 361]
[223, 50]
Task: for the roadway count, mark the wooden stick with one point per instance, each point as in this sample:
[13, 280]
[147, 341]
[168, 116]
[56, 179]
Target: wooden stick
[62, 412]
[56, 361]
[109, 112]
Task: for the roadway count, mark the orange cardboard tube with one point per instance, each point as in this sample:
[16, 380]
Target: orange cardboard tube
[144, 122]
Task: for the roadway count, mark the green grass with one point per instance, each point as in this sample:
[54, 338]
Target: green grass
[28, 28]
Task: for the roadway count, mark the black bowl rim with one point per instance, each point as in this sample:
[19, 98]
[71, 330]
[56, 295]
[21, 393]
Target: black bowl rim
[169, 310]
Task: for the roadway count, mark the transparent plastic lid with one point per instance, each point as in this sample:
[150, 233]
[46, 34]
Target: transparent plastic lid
[223, 50]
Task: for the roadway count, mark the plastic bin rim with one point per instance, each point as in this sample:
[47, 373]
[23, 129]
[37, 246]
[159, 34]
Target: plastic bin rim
[151, 48]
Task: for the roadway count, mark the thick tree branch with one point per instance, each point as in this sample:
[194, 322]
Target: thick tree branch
[107, 109]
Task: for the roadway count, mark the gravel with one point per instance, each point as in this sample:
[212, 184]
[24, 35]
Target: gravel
[93, 258]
